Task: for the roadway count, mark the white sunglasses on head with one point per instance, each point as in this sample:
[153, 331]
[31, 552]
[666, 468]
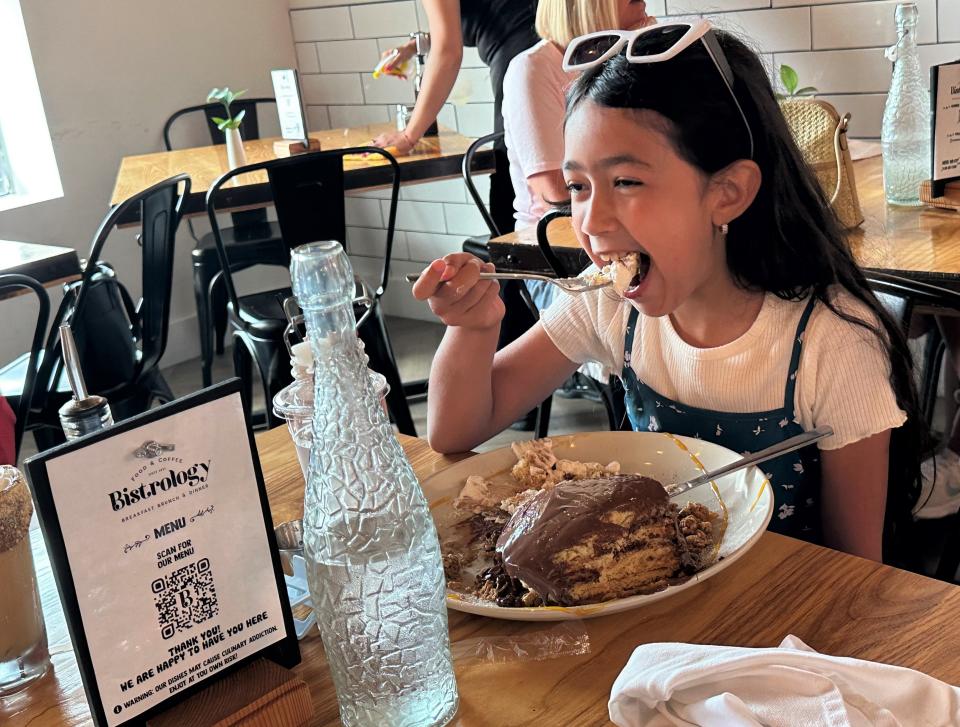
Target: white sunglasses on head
[653, 44]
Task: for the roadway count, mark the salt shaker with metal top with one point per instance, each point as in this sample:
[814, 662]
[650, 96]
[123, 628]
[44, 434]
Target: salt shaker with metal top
[85, 412]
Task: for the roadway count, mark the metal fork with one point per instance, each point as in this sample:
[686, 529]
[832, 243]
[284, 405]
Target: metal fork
[569, 285]
[780, 448]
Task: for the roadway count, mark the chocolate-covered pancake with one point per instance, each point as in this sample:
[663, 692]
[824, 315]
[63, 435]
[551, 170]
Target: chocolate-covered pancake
[589, 541]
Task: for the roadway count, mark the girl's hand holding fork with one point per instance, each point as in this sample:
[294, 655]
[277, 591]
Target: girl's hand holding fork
[455, 293]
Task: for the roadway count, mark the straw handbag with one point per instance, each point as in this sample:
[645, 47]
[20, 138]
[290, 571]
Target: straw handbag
[821, 134]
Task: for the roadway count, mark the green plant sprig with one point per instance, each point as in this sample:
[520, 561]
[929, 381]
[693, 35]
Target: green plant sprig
[790, 81]
[226, 97]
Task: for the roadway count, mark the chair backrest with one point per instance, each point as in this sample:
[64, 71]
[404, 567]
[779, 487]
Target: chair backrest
[9, 282]
[249, 127]
[900, 295]
[160, 212]
[308, 194]
[543, 241]
[466, 170]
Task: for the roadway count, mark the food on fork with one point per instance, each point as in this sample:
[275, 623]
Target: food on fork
[589, 541]
[624, 272]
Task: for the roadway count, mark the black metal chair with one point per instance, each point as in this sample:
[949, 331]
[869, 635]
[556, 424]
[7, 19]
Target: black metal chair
[571, 264]
[8, 283]
[901, 296]
[466, 171]
[131, 386]
[565, 262]
[307, 192]
[511, 290]
[252, 237]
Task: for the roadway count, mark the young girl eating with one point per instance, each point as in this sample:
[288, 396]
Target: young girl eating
[745, 320]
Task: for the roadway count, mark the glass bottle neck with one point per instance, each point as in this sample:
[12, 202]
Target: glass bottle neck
[332, 337]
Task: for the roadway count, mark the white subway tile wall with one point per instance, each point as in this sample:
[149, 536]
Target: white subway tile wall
[307, 57]
[770, 30]
[835, 45]
[873, 21]
[340, 56]
[948, 26]
[382, 19]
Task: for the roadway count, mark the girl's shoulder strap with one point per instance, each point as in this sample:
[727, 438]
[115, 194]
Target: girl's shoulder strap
[631, 330]
[788, 398]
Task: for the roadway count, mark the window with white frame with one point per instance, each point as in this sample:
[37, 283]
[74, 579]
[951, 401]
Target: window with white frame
[28, 167]
[6, 178]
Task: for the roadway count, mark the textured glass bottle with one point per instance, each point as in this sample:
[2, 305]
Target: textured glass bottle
[906, 116]
[373, 559]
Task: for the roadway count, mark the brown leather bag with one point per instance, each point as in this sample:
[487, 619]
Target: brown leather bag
[821, 134]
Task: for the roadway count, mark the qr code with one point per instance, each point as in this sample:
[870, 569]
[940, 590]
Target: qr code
[185, 597]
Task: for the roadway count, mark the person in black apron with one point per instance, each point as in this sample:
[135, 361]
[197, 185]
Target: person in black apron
[499, 30]
[677, 151]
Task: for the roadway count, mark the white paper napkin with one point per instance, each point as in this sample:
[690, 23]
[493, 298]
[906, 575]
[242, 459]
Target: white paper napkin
[728, 686]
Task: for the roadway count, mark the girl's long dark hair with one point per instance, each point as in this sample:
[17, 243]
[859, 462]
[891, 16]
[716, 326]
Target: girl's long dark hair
[789, 242]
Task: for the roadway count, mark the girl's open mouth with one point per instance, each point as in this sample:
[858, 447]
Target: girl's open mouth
[633, 288]
[627, 272]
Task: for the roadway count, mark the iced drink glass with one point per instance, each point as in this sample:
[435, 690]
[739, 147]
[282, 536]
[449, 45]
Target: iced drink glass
[23, 640]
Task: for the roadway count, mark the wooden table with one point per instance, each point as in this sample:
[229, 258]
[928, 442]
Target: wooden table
[836, 603]
[432, 159]
[48, 264]
[922, 243]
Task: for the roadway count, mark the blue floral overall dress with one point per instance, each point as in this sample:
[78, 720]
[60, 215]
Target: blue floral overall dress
[795, 477]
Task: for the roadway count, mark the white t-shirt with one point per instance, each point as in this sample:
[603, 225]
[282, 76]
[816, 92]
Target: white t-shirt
[843, 381]
[534, 89]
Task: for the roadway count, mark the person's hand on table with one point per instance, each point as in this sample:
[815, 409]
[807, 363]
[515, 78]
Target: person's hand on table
[457, 296]
[397, 143]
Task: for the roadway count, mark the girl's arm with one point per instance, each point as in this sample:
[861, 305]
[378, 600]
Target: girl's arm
[442, 67]
[475, 391]
[854, 496]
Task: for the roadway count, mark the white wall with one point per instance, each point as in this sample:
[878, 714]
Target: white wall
[110, 72]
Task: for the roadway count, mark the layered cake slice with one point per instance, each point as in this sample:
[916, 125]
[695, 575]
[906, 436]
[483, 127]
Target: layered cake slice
[594, 540]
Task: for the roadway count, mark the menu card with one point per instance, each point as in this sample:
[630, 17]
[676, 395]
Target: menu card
[286, 88]
[159, 532]
[945, 93]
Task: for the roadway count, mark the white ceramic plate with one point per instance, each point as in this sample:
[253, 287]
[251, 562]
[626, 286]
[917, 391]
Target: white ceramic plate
[746, 495]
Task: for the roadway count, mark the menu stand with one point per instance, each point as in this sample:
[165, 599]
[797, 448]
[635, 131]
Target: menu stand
[261, 694]
[950, 199]
[135, 517]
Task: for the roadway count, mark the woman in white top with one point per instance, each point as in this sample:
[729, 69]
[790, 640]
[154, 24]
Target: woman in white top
[745, 319]
[534, 90]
